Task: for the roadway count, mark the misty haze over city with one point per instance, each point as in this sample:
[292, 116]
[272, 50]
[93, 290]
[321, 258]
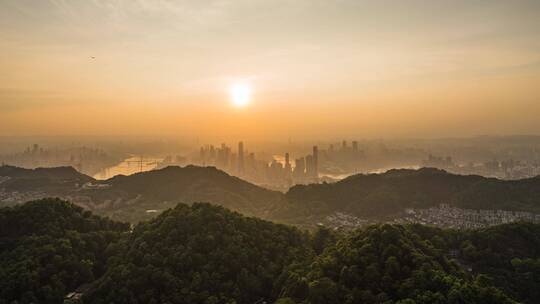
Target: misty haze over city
[286, 151]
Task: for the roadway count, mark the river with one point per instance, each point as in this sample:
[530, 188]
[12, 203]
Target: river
[131, 165]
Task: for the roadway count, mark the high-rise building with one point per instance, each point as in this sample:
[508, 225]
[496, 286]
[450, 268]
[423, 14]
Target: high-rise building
[241, 158]
[288, 169]
[233, 163]
[310, 168]
[202, 156]
[223, 160]
[355, 146]
[299, 168]
[315, 161]
[276, 171]
[212, 152]
[251, 164]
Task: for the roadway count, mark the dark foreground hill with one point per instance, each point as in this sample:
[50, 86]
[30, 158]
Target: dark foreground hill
[207, 254]
[383, 196]
[401, 264]
[49, 248]
[201, 254]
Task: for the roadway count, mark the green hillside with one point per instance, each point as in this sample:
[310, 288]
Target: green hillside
[383, 196]
[207, 254]
[49, 248]
[201, 254]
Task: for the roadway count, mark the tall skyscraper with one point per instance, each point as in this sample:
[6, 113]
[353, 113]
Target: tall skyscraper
[241, 158]
[310, 168]
[315, 161]
[355, 146]
[202, 156]
[299, 168]
[288, 170]
[251, 164]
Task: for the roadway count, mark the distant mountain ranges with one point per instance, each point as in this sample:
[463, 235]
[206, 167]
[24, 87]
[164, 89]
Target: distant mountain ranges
[373, 196]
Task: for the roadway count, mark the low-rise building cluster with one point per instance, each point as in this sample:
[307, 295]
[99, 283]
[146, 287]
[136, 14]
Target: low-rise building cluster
[451, 217]
[10, 197]
[343, 220]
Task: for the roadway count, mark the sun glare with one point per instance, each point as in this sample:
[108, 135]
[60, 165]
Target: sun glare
[240, 94]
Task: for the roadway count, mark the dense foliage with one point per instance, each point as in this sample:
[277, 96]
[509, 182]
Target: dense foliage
[56, 173]
[201, 254]
[508, 256]
[54, 181]
[166, 187]
[373, 196]
[208, 254]
[384, 195]
[386, 264]
[127, 198]
[50, 247]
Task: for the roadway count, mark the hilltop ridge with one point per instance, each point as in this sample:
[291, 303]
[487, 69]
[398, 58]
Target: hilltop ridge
[385, 195]
[369, 196]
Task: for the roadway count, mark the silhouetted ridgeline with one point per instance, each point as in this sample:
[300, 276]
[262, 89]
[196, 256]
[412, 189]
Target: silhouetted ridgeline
[375, 196]
[384, 195]
[128, 198]
[52, 180]
[208, 254]
[197, 184]
[57, 173]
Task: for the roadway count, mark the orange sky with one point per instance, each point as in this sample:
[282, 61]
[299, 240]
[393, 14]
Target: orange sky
[317, 69]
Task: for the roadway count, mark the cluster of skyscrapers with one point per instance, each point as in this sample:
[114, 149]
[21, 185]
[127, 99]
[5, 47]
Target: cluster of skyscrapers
[278, 173]
[306, 168]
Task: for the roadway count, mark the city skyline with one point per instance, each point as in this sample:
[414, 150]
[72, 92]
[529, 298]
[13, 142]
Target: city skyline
[255, 151]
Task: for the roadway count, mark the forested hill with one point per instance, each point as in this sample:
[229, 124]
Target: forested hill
[201, 254]
[49, 248]
[51, 217]
[419, 264]
[374, 196]
[208, 254]
[128, 198]
[49, 180]
[381, 195]
[56, 173]
[197, 184]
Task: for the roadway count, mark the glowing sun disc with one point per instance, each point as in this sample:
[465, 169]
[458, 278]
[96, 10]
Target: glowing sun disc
[240, 94]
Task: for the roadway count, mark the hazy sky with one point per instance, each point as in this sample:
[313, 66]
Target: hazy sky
[317, 69]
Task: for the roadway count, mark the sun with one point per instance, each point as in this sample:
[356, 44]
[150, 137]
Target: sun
[240, 94]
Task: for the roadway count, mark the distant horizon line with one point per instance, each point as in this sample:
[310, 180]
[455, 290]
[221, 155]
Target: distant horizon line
[254, 139]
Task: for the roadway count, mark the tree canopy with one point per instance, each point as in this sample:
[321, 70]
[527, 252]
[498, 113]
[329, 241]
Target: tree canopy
[207, 254]
[50, 247]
